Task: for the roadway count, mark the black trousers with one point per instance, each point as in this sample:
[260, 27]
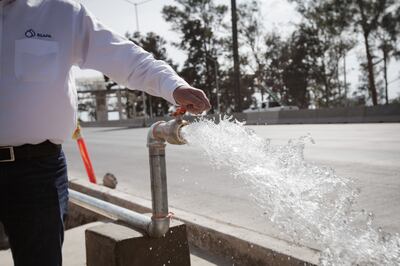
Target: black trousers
[33, 206]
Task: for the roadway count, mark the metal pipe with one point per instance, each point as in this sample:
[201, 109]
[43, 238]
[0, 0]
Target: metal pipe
[158, 224]
[135, 219]
[159, 133]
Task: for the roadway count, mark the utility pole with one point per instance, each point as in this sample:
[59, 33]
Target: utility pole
[215, 61]
[236, 66]
[345, 79]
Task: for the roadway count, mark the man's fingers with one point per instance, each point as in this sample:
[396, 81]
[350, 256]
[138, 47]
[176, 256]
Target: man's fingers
[202, 96]
[194, 100]
[193, 110]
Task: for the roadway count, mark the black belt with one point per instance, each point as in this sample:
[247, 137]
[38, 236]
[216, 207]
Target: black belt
[28, 151]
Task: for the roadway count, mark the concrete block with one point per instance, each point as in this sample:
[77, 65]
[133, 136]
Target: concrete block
[332, 115]
[382, 113]
[237, 244]
[262, 118]
[303, 116]
[253, 118]
[383, 110]
[117, 245]
[355, 114]
[241, 117]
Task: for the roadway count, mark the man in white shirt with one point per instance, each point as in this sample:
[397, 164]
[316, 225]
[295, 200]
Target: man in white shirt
[40, 40]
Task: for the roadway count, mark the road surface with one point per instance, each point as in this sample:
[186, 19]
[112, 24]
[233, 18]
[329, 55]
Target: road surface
[367, 153]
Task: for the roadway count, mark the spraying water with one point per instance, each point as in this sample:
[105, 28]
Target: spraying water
[307, 202]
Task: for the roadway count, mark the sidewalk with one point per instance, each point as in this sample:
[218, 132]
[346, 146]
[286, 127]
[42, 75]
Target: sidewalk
[74, 252]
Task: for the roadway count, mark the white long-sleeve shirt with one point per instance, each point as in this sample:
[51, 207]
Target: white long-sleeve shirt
[40, 40]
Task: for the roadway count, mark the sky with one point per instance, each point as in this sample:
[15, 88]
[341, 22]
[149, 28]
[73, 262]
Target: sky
[279, 16]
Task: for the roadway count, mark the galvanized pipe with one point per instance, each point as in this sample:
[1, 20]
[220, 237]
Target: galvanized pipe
[135, 219]
[158, 179]
[158, 224]
[159, 133]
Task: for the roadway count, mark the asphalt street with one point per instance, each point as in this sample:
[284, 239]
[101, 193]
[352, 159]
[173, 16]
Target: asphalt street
[367, 153]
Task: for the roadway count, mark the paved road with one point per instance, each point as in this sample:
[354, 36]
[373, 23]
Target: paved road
[368, 153]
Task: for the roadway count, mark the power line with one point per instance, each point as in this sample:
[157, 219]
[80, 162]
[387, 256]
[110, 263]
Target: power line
[137, 3]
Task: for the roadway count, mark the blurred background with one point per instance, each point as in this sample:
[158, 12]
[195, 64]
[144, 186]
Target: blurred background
[290, 54]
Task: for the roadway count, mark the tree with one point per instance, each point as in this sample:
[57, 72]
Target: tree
[251, 33]
[387, 35]
[330, 20]
[292, 66]
[277, 58]
[204, 38]
[368, 16]
[154, 44]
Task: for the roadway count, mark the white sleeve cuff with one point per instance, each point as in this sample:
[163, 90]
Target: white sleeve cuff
[170, 86]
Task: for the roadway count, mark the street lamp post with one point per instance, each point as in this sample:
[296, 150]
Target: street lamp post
[136, 4]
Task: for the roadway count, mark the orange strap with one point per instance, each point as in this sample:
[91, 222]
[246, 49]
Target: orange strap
[180, 111]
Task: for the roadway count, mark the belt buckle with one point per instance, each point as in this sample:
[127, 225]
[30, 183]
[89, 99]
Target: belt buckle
[11, 151]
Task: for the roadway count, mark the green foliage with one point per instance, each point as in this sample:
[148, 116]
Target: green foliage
[305, 69]
[205, 39]
[377, 21]
[133, 102]
[396, 100]
[154, 44]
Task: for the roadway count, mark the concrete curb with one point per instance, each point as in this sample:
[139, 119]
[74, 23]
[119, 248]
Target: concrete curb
[240, 245]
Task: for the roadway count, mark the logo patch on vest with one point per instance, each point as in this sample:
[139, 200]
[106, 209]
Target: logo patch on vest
[31, 33]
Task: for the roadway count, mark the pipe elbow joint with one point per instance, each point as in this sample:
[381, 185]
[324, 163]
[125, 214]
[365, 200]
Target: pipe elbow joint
[158, 227]
[167, 131]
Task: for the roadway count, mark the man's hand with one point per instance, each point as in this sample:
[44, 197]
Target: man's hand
[194, 100]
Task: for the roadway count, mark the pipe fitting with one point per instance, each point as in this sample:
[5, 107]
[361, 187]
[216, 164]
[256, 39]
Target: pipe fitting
[159, 133]
[159, 223]
[167, 131]
[158, 227]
